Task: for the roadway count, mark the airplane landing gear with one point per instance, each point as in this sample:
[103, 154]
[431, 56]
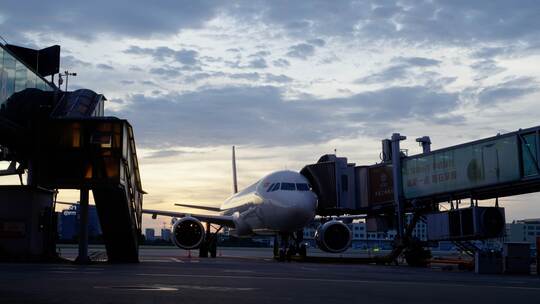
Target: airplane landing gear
[209, 245]
[287, 245]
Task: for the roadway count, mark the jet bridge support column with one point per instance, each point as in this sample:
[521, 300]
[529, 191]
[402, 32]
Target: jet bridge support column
[83, 228]
[398, 186]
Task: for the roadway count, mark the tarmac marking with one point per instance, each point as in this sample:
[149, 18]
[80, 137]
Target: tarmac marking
[73, 272]
[238, 271]
[175, 288]
[334, 280]
[138, 288]
[215, 288]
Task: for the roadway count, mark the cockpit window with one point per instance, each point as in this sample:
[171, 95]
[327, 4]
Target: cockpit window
[302, 187]
[288, 186]
[270, 187]
[276, 186]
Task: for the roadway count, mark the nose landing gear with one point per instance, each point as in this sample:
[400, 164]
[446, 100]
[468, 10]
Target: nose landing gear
[287, 245]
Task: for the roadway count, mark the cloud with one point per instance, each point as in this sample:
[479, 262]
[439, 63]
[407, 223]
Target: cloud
[188, 58]
[278, 78]
[259, 63]
[104, 66]
[430, 22]
[247, 76]
[199, 76]
[302, 51]
[87, 20]
[305, 50]
[490, 52]
[416, 61]
[282, 63]
[71, 62]
[164, 154]
[439, 22]
[486, 68]
[252, 77]
[148, 83]
[399, 70]
[317, 42]
[169, 72]
[260, 54]
[261, 115]
[508, 91]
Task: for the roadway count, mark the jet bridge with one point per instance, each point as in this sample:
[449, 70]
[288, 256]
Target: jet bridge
[62, 141]
[503, 165]
[489, 168]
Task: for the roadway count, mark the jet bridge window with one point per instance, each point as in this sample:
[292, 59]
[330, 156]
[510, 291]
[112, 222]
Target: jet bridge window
[302, 187]
[288, 186]
[529, 154]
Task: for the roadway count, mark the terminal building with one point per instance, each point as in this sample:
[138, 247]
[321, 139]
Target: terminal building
[16, 76]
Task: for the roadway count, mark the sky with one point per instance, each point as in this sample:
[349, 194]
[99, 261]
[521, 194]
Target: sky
[289, 81]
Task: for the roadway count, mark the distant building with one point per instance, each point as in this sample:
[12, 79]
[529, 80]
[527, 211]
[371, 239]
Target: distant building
[68, 223]
[523, 231]
[166, 234]
[150, 234]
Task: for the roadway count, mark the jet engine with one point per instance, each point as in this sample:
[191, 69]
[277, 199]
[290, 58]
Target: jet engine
[333, 236]
[188, 233]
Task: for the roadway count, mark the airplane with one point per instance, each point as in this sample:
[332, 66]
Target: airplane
[281, 204]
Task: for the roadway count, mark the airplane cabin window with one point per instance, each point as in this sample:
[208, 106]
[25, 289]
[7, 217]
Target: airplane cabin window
[288, 186]
[276, 187]
[302, 187]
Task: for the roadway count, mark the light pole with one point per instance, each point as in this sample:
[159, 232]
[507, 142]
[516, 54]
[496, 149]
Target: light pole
[65, 74]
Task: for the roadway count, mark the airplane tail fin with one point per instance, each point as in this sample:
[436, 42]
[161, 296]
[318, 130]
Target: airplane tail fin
[235, 182]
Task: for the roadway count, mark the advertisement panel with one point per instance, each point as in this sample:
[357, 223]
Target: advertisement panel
[381, 186]
[461, 168]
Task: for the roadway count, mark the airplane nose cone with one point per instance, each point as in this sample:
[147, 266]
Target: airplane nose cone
[290, 213]
[300, 214]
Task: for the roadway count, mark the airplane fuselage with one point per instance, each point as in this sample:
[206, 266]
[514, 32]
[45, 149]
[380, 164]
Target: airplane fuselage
[280, 202]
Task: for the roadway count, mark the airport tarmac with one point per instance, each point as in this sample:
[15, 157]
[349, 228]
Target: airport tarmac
[170, 276]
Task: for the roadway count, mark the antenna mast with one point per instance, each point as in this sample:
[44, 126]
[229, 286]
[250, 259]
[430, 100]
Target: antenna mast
[235, 182]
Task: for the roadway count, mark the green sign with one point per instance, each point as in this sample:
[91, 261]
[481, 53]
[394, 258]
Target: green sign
[461, 168]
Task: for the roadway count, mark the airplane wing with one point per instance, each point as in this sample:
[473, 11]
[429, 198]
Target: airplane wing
[350, 217]
[345, 218]
[223, 220]
[216, 209]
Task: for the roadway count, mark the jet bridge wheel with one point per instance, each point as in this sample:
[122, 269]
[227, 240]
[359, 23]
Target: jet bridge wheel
[417, 256]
